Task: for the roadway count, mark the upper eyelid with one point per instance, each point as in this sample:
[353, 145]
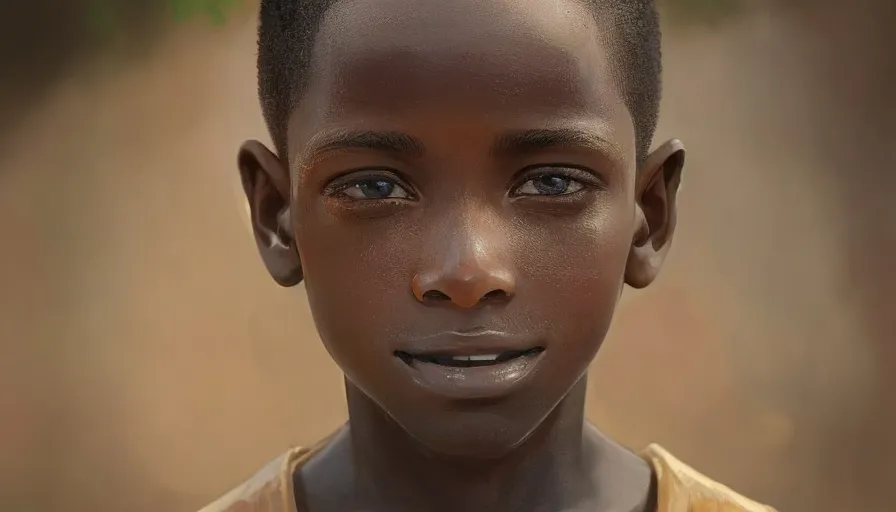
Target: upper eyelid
[350, 178]
[573, 172]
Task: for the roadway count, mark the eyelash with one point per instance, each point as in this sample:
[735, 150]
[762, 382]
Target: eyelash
[574, 174]
[354, 179]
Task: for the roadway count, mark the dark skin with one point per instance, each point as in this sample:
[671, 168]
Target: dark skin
[454, 194]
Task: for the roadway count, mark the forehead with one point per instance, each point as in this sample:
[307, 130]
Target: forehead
[453, 24]
[518, 61]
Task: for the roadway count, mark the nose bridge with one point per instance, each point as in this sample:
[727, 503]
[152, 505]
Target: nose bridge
[467, 242]
[470, 260]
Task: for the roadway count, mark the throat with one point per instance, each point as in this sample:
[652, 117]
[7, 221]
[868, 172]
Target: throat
[551, 470]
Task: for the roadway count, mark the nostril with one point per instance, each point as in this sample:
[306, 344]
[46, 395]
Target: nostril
[495, 295]
[435, 295]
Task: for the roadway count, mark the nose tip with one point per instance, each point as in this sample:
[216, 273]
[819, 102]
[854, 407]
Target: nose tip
[465, 288]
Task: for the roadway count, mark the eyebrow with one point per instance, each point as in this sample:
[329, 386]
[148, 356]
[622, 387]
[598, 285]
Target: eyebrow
[533, 141]
[527, 141]
[391, 142]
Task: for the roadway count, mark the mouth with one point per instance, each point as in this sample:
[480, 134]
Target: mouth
[471, 366]
[460, 360]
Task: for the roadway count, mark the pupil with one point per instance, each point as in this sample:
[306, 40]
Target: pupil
[551, 185]
[376, 189]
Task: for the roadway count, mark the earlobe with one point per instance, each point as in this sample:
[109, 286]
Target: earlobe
[655, 213]
[266, 185]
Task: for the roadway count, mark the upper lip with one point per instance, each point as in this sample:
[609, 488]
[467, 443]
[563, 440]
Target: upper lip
[467, 343]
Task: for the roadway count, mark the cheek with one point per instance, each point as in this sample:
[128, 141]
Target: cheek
[357, 276]
[574, 271]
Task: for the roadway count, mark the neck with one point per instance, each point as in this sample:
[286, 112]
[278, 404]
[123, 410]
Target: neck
[551, 470]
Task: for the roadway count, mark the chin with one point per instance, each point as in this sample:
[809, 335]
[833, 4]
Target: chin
[470, 435]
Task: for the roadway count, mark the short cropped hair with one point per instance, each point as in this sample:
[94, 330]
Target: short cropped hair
[287, 29]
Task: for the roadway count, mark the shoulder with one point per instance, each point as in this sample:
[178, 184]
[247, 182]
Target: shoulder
[681, 488]
[268, 490]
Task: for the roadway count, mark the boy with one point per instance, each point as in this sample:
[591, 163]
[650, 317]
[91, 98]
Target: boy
[464, 186]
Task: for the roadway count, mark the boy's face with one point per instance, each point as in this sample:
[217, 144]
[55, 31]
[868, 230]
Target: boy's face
[463, 197]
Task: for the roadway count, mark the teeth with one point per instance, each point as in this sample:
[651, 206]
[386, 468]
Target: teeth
[482, 357]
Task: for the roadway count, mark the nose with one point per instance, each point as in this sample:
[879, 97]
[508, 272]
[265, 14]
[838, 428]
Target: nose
[471, 273]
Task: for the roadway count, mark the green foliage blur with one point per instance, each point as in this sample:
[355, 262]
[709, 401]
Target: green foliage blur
[105, 17]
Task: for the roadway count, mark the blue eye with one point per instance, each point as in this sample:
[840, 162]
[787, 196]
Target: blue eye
[376, 188]
[549, 185]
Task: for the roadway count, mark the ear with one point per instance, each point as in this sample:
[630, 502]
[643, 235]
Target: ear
[266, 184]
[656, 194]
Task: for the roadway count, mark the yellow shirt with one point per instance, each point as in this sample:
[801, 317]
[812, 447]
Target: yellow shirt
[680, 488]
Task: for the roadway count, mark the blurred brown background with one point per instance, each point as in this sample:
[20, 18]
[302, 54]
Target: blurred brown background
[145, 363]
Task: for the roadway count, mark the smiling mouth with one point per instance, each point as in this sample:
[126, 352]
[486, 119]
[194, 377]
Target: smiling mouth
[467, 360]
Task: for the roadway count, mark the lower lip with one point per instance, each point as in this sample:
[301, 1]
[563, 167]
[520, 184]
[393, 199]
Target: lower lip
[474, 382]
